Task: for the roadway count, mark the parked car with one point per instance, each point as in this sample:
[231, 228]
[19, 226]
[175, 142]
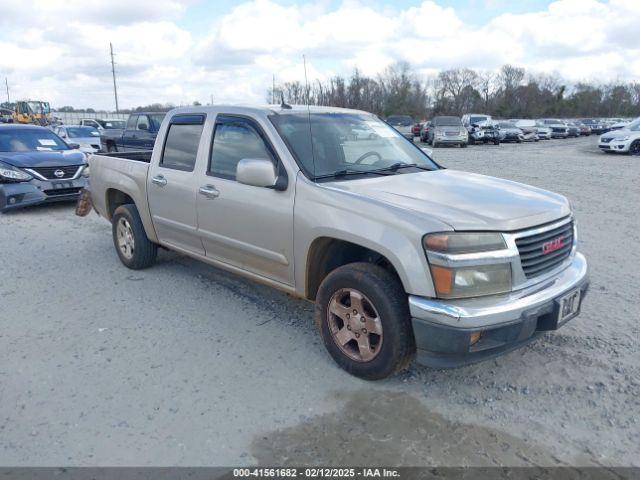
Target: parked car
[424, 132]
[37, 166]
[618, 125]
[573, 129]
[403, 124]
[402, 257]
[484, 132]
[544, 132]
[102, 124]
[471, 119]
[509, 132]
[140, 133]
[626, 140]
[6, 116]
[585, 130]
[595, 125]
[447, 130]
[558, 129]
[529, 129]
[87, 138]
[417, 128]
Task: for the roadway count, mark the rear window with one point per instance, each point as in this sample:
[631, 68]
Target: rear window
[447, 121]
[181, 146]
[400, 120]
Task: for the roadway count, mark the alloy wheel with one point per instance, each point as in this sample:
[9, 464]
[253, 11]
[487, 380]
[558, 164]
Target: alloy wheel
[355, 325]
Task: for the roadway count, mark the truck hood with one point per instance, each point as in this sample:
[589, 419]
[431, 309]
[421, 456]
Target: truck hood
[43, 159]
[465, 201]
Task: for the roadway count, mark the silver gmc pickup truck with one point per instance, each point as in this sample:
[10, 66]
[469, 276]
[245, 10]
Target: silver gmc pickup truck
[403, 258]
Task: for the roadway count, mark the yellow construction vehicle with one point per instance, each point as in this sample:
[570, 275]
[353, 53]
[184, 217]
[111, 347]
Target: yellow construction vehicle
[32, 111]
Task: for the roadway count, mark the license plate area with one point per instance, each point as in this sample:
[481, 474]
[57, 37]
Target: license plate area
[569, 306]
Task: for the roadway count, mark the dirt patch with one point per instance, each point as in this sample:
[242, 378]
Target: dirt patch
[396, 429]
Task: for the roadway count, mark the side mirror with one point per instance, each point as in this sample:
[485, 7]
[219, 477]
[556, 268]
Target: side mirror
[256, 172]
[143, 126]
[74, 146]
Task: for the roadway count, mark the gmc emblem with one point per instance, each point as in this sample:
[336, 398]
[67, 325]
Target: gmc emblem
[552, 246]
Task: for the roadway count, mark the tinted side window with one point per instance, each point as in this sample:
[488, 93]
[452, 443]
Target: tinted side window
[131, 123]
[233, 140]
[181, 147]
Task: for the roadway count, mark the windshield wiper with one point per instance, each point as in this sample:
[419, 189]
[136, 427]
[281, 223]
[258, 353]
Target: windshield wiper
[346, 172]
[398, 165]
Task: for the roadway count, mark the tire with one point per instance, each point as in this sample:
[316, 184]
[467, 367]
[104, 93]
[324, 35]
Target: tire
[385, 300]
[434, 144]
[134, 248]
[111, 148]
[496, 142]
[463, 145]
[634, 148]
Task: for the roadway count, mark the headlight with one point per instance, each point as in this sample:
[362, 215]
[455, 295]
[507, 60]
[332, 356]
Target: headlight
[450, 281]
[85, 171]
[8, 172]
[457, 242]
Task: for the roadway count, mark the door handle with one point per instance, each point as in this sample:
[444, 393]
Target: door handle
[209, 191]
[159, 180]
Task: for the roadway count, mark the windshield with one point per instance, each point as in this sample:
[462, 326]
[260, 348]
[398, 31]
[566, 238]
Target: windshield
[447, 122]
[30, 140]
[506, 125]
[35, 107]
[552, 121]
[633, 126]
[478, 119]
[346, 142]
[400, 120]
[82, 132]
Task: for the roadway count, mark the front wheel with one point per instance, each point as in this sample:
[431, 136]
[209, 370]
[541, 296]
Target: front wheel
[363, 317]
[133, 246]
[634, 149]
[496, 142]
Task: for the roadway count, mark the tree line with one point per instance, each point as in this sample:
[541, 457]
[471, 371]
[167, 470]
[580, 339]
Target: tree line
[510, 92]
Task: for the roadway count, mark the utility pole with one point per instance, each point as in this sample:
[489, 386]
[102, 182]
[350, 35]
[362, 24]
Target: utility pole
[113, 72]
[212, 99]
[6, 82]
[273, 91]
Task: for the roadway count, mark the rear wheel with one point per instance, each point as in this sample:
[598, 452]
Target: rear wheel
[363, 317]
[134, 248]
[111, 148]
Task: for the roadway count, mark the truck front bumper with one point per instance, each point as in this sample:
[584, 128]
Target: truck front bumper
[443, 329]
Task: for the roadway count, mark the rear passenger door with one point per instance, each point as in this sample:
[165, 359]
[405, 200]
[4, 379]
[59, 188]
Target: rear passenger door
[248, 227]
[172, 186]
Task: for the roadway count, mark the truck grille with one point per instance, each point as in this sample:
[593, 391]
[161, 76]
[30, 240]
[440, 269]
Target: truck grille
[545, 251]
[49, 172]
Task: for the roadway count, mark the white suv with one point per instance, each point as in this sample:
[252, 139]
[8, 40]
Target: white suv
[626, 140]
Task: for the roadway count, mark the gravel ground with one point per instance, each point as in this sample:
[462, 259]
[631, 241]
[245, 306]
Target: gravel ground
[184, 364]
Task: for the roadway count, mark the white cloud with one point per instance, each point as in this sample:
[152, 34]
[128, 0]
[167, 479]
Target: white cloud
[58, 50]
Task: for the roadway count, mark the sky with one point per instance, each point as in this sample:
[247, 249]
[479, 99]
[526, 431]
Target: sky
[172, 51]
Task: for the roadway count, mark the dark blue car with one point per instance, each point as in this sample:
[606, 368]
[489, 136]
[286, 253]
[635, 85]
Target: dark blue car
[37, 166]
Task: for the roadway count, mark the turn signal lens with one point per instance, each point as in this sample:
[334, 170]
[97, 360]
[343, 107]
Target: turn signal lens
[474, 338]
[442, 279]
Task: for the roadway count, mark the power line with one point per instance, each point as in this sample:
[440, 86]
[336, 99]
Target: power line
[113, 72]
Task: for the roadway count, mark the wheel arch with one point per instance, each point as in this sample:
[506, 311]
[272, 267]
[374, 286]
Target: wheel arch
[327, 253]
